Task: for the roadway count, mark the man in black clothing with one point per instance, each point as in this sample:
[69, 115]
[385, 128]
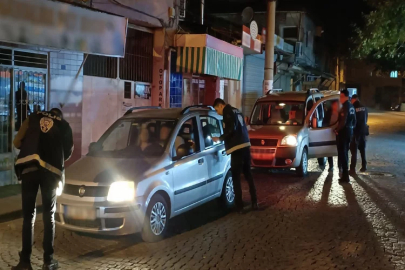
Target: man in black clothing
[344, 132]
[360, 133]
[45, 141]
[237, 144]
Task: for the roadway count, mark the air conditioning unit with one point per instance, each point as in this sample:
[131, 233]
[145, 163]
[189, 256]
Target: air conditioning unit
[298, 49]
[182, 9]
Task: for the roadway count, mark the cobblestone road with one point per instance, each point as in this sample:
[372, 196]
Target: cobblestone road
[311, 223]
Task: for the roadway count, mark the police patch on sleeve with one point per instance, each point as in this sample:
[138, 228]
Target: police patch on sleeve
[46, 124]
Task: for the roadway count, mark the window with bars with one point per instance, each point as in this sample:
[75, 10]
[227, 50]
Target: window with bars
[101, 66]
[137, 64]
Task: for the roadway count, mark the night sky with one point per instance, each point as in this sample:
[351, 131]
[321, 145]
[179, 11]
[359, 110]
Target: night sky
[336, 16]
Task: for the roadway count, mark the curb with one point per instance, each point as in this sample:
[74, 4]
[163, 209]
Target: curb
[16, 215]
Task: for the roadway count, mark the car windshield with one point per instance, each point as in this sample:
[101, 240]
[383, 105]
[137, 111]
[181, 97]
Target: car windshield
[278, 113]
[133, 138]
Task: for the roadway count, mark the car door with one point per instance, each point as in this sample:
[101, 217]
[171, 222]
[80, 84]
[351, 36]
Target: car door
[321, 134]
[190, 173]
[215, 154]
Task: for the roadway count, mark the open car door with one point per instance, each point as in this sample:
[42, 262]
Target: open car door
[322, 121]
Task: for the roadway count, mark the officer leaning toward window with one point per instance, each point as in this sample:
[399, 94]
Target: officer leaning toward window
[344, 132]
[45, 141]
[237, 144]
[359, 136]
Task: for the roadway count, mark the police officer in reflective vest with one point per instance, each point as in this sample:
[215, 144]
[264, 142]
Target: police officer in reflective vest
[344, 132]
[45, 141]
[360, 134]
[237, 144]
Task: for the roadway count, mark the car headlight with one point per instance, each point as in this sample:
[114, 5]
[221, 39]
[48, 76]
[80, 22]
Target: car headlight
[121, 191]
[289, 140]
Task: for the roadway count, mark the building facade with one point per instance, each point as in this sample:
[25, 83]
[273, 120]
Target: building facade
[91, 64]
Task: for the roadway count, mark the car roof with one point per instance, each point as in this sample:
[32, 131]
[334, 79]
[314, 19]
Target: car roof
[289, 96]
[173, 113]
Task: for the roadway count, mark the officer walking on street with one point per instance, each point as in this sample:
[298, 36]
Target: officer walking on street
[359, 136]
[344, 132]
[237, 144]
[45, 141]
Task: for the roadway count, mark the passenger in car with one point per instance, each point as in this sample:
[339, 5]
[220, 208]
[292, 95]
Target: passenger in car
[148, 145]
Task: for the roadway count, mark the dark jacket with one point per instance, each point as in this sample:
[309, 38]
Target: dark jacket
[347, 118]
[45, 141]
[235, 132]
[361, 128]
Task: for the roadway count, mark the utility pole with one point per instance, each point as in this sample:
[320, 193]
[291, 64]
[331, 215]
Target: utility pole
[269, 61]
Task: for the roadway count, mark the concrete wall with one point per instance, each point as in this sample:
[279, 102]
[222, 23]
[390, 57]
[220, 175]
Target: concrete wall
[103, 104]
[65, 91]
[375, 89]
[157, 8]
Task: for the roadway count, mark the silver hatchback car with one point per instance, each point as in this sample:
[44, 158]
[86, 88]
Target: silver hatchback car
[148, 167]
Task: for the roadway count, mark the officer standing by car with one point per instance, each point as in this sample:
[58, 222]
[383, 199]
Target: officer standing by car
[45, 141]
[359, 137]
[344, 132]
[237, 144]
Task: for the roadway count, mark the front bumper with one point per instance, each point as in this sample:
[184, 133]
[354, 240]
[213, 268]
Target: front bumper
[110, 219]
[275, 157]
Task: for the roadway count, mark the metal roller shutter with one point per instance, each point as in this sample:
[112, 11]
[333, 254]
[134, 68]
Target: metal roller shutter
[252, 82]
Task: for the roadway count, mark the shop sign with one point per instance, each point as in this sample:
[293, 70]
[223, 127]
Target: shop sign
[278, 41]
[254, 44]
[57, 25]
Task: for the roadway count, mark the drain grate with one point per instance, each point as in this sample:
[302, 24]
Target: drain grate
[380, 174]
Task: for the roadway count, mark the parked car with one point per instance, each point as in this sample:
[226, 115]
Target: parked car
[286, 129]
[147, 168]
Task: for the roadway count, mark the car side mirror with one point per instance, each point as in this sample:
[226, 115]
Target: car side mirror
[181, 152]
[93, 147]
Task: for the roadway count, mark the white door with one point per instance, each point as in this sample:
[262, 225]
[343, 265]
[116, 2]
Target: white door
[322, 120]
[190, 173]
[215, 154]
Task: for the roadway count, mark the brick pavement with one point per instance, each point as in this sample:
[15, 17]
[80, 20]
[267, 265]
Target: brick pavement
[312, 223]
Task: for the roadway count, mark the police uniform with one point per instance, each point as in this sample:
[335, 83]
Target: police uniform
[344, 130]
[359, 139]
[45, 141]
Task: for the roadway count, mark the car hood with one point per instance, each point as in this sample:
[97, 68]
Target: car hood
[273, 131]
[107, 170]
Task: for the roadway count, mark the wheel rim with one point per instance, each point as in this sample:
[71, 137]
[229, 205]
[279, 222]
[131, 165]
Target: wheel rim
[158, 218]
[230, 194]
[304, 163]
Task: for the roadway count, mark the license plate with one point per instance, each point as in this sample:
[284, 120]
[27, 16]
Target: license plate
[80, 213]
[262, 156]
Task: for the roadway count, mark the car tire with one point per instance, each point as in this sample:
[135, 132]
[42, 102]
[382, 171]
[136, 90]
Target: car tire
[156, 219]
[302, 170]
[227, 198]
[322, 161]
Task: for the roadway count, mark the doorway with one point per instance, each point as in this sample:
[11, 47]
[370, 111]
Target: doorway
[23, 87]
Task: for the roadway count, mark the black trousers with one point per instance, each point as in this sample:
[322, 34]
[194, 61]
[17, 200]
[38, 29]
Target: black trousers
[330, 162]
[240, 162]
[343, 144]
[48, 183]
[358, 143]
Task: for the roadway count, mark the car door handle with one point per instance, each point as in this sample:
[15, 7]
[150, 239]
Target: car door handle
[201, 161]
[224, 153]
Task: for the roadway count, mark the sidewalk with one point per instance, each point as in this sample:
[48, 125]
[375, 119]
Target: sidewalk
[10, 203]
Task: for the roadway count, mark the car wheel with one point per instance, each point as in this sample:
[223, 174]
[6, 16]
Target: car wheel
[228, 194]
[302, 170]
[322, 161]
[156, 220]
